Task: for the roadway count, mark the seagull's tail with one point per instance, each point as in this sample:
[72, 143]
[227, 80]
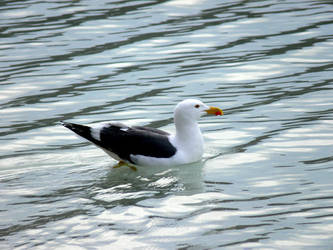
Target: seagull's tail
[81, 130]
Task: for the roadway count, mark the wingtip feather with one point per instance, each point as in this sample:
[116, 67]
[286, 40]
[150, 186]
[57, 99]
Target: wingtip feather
[65, 124]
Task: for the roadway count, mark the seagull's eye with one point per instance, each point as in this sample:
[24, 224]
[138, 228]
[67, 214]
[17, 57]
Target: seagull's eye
[197, 106]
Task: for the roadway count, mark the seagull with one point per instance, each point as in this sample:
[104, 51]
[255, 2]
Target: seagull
[146, 146]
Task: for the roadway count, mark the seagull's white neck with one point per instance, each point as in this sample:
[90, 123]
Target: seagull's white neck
[188, 137]
[186, 128]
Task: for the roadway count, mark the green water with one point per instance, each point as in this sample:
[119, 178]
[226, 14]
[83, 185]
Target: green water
[266, 178]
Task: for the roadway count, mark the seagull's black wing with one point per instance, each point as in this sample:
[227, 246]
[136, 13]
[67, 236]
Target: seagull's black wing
[152, 130]
[125, 141]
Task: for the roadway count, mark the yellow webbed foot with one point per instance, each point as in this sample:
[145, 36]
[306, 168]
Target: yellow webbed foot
[122, 163]
[119, 164]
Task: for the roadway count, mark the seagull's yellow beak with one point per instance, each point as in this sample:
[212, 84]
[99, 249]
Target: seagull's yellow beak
[214, 111]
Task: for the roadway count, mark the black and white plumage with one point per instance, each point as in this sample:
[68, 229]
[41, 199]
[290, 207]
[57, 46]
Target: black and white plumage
[149, 146]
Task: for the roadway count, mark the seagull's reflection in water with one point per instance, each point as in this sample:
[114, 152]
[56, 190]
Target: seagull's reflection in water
[123, 186]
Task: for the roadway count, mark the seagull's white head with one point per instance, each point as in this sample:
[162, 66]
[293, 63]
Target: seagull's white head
[192, 110]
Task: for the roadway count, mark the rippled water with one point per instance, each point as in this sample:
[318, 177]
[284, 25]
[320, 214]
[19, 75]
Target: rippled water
[266, 177]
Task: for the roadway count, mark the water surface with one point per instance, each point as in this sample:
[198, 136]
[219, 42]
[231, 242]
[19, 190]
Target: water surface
[266, 177]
